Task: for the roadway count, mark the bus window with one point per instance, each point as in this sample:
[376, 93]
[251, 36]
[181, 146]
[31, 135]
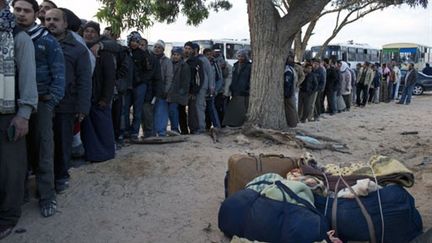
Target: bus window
[352, 54]
[232, 49]
[344, 56]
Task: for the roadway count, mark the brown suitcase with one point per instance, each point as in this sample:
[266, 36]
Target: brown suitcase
[244, 168]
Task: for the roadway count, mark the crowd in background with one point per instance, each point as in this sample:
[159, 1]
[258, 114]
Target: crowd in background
[64, 83]
[332, 86]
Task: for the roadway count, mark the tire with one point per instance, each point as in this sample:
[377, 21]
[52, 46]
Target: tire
[418, 90]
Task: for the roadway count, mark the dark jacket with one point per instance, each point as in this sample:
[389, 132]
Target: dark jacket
[240, 84]
[412, 78]
[197, 75]
[78, 77]
[147, 70]
[104, 77]
[123, 63]
[289, 89]
[179, 91]
[50, 67]
[310, 84]
[333, 80]
[377, 79]
[321, 75]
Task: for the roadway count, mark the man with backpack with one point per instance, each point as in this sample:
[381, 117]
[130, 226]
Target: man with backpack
[18, 80]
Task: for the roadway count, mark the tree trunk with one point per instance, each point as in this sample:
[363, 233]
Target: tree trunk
[298, 47]
[266, 104]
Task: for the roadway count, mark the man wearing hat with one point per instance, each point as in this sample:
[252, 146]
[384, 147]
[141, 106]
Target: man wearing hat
[178, 93]
[161, 106]
[191, 119]
[97, 132]
[146, 78]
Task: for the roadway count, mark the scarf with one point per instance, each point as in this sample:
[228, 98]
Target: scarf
[37, 31]
[7, 62]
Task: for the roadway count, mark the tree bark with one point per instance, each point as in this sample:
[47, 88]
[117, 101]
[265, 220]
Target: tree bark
[266, 106]
[271, 38]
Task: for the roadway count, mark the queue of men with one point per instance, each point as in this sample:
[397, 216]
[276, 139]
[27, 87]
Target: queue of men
[63, 82]
[332, 86]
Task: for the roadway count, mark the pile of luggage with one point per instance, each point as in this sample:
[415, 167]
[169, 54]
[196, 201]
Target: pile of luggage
[273, 198]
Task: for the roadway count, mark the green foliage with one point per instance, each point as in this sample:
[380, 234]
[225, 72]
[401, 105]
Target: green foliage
[139, 14]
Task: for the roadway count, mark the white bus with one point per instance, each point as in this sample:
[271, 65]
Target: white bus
[405, 53]
[228, 47]
[349, 52]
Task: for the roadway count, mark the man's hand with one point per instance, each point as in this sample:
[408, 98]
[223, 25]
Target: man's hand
[95, 49]
[80, 117]
[21, 127]
[102, 104]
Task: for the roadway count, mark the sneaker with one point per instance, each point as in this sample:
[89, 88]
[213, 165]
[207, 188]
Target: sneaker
[173, 133]
[48, 209]
[61, 185]
[5, 230]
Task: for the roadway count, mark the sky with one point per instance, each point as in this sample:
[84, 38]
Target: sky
[394, 24]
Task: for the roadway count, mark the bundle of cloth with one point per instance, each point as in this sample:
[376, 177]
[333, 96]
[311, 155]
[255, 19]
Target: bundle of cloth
[378, 171]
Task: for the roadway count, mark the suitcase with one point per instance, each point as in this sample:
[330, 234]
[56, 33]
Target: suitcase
[244, 168]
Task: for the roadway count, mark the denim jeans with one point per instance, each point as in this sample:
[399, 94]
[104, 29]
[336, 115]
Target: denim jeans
[406, 94]
[138, 95]
[173, 114]
[40, 149]
[211, 113]
[160, 117]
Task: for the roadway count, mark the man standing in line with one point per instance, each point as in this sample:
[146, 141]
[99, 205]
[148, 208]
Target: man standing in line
[43, 8]
[318, 100]
[290, 77]
[75, 104]
[212, 116]
[50, 77]
[410, 80]
[161, 108]
[190, 120]
[17, 73]
[364, 80]
[398, 75]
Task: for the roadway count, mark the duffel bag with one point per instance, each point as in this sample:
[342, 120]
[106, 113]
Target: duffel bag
[250, 215]
[244, 168]
[360, 219]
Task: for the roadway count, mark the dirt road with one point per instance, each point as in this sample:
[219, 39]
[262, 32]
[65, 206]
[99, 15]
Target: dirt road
[171, 193]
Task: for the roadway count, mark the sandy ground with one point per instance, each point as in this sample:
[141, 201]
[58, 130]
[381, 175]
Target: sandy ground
[172, 193]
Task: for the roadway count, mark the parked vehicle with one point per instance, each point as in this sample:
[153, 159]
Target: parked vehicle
[423, 83]
[349, 52]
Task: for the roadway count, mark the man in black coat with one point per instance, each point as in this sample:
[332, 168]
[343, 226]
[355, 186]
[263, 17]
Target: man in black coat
[75, 104]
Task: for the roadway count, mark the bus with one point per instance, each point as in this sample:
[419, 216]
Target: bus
[405, 53]
[228, 47]
[349, 52]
